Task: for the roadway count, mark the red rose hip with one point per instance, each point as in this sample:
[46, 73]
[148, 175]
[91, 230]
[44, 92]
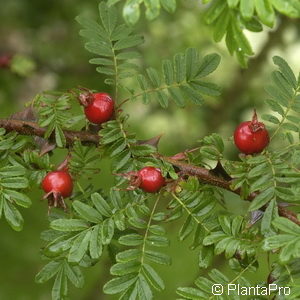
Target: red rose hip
[98, 107]
[151, 179]
[58, 182]
[251, 136]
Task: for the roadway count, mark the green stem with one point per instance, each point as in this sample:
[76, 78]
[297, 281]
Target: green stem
[190, 212]
[147, 231]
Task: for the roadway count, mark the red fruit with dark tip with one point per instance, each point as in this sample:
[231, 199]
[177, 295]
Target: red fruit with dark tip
[99, 108]
[58, 182]
[151, 179]
[251, 136]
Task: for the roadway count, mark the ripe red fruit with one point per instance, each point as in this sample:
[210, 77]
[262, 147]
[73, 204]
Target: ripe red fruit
[57, 185]
[98, 107]
[251, 136]
[151, 179]
[59, 182]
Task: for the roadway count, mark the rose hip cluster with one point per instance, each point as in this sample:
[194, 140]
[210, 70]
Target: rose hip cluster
[98, 109]
[250, 137]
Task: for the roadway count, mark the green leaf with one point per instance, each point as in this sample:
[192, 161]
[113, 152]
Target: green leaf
[261, 199]
[286, 226]
[157, 229]
[287, 252]
[144, 290]
[60, 138]
[48, 271]
[86, 212]
[277, 241]
[119, 284]
[213, 238]
[258, 170]
[108, 16]
[162, 99]
[186, 228]
[267, 218]
[169, 5]
[154, 77]
[119, 220]
[214, 11]
[179, 67]
[176, 96]
[247, 9]
[191, 56]
[125, 268]
[95, 246]
[137, 223]
[131, 11]
[17, 197]
[101, 205]
[285, 69]
[206, 88]
[192, 94]
[12, 171]
[152, 9]
[13, 216]
[232, 3]
[108, 228]
[157, 241]
[190, 293]
[69, 225]
[79, 247]
[158, 257]
[129, 42]
[74, 274]
[122, 159]
[225, 224]
[209, 64]
[221, 25]
[112, 2]
[290, 8]
[128, 255]
[168, 71]
[241, 41]
[206, 255]
[265, 12]
[275, 106]
[14, 182]
[60, 287]
[280, 81]
[131, 239]
[153, 277]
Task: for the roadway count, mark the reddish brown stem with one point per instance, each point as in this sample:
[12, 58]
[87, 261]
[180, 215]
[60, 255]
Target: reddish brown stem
[32, 128]
[204, 175]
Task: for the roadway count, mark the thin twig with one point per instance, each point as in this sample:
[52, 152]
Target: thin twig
[33, 129]
[203, 174]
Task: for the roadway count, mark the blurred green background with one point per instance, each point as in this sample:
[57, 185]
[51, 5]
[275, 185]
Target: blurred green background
[45, 33]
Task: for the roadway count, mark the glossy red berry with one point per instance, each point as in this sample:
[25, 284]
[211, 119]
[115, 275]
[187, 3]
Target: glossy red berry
[58, 182]
[99, 108]
[251, 136]
[151, 179]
